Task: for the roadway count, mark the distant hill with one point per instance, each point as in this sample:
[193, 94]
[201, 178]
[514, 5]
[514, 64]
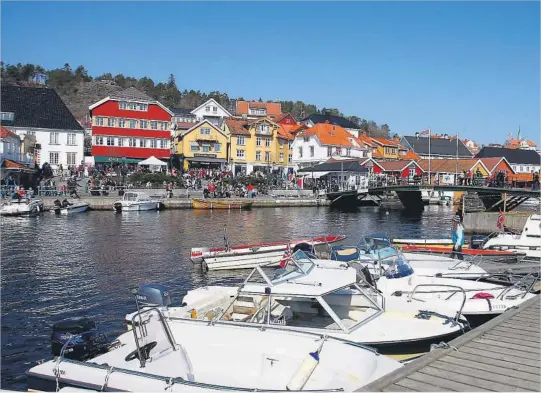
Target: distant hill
[79, 90]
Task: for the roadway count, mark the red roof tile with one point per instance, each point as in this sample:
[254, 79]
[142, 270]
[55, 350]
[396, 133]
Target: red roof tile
[330, 134]
[237, 127]
[5, 133]
[274, 109]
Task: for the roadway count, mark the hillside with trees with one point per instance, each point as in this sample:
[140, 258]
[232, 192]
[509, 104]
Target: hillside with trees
[79, 90]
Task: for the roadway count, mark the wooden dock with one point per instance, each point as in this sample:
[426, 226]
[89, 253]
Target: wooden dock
[503, 355]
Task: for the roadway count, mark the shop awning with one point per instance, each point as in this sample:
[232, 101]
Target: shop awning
[120, 160]
[206, 159]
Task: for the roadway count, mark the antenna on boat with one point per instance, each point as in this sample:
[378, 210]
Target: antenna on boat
[226, 240]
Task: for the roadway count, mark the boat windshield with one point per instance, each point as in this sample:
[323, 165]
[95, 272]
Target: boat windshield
[398, 267]
[340, 310]
[375, 241]
[298, 265]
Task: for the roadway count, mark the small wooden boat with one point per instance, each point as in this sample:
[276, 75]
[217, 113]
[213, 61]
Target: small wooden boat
[252, 255]
[210, 204]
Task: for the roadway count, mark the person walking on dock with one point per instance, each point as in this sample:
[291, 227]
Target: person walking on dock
[458, 238]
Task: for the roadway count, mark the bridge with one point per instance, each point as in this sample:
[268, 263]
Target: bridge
[493, 198]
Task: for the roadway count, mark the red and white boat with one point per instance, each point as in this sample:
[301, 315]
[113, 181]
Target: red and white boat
[252, 255]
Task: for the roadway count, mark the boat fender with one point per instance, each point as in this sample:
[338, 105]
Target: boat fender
[304, 372]
[193, 313]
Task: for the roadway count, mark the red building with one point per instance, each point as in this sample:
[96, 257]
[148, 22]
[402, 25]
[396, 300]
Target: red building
[130, 126]
[285, 119]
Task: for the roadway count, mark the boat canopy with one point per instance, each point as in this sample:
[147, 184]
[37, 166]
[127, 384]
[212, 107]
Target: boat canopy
[135, 196]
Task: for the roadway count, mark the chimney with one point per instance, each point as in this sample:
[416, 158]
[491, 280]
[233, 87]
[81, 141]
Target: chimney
[396, 138]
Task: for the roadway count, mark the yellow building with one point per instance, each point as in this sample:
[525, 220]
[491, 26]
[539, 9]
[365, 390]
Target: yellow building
[202, 146]
[258, 145]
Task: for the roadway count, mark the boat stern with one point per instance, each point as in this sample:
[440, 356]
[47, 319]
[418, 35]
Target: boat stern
[196, 254]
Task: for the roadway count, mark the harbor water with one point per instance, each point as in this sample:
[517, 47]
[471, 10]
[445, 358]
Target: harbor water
[57, 267]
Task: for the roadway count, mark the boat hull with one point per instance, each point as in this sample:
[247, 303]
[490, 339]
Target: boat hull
[22, 209]
[211, 204]
[136, 206]
[78, 208]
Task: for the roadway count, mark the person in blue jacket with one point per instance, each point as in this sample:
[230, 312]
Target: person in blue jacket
[458, 238]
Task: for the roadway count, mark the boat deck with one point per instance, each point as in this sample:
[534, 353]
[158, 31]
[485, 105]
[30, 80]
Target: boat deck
[503, 355]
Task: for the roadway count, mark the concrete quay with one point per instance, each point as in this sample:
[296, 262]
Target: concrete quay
[485, 222]
[176, 203]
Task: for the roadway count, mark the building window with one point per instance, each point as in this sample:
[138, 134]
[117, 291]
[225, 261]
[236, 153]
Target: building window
[110, 141]
[241, 141]
[240, 153]
[267, 142]
[8, 116]
[338, 151]
[412, 172]
[306, 139]
[153, 124]
[153, 143]
[393, 151]
[99, 140]
[387, 151]
[111, 122]
[281, 143]
[258, 141]
[53, 138]
[122, 105]
[70, 158]
[258, 155]
[521, 168]
[215, 109]
[143, 107]
[194, 146]
[311, 151]
[267, 156]
[329, 151]
[348, 152]
[217, 147]
[121, 123]
[288, 120]
[206, 147]
[99, 121]
[132, 142]
[133, 123]
[120, 141]
[281, 156]
[142, 143]
[204, 131]
[164, 125]
[290, 158]
[72, 139]
[54, 157]
[207, 108]
[289, 144]
[300, 151]
[143, 123]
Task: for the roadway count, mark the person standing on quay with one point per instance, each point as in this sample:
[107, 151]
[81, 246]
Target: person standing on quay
[458, 238]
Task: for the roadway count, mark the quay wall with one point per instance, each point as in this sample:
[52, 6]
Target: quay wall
[485, 222]
[106, 203]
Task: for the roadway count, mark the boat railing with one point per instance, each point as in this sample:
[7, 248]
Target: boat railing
[143, 330]
[457, 290]
[524, 285]
[170, 381]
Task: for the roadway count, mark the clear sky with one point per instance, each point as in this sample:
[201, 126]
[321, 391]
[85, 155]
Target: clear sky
[471, 68]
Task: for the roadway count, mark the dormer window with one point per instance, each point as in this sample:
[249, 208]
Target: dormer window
[8, 116]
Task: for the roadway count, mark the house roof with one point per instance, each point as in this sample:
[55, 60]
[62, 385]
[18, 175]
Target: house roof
[213, 102]
[410, 155]
[337, 166]
[449, 165]
[131, 93]
[330, 134]
[513, 156]
[5, 133]
[518, 142]
[196, 125]
[492, 162]
[237, 127]
[318, 118]
[36, 107]
[438, 146]
[397, 165]
[182, 112]
[12, 164]
[367, 140]
[274, 109]
[184, 125]
[287, 130]
[284, 116]
[387, 142]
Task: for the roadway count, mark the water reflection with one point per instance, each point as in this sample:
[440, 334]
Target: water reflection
[55, 267]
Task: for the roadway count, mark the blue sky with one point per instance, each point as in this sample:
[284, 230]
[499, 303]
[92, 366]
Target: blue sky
[471, 68]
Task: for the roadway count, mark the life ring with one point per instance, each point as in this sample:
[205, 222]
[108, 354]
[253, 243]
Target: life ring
[145, 351]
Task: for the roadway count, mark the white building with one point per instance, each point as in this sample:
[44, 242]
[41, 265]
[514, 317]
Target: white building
[322, 141]
[210, 110]
[39, 111]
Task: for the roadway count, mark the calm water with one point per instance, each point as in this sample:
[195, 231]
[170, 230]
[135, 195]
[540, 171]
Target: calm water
[58, 267]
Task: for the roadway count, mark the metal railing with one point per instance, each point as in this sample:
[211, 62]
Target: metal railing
[458, 289]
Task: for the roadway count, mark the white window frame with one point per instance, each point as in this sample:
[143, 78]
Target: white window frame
[121, 123]
[205, 147]
[132, 142]
[72, 139]
[99, 121]
[258, 155]
[281, 156]
[142, 142]
[268, 142]
[54, 138]
[110, 139]
[153, 144]
[241, 154]
[99, 140]
[241, 140]
[194, 146]
[120, 142]
[153, 125]
[54, 154]
[133, 123]
[73, 156]
[204, 131]
[217, 147]
[143, 124]
[267, 156]
[258, 141]
[312, 151]
[111, 122]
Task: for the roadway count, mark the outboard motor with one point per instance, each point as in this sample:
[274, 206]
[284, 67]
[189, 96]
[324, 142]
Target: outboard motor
[477, 241]
[85, 340]
[153, 295]
[306, 248]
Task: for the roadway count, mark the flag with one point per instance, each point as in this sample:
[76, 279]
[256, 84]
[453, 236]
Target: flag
[286, 257]
[425, 132]
[501, 220]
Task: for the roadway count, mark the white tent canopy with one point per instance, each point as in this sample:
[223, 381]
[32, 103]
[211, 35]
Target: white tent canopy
[153, 161]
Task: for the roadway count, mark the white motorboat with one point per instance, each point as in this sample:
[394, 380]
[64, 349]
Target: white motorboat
[193, 355]
[528, 242]
[23, 207]
[376, 250]
[322, 297]
[252, 255]
[137, 201]
[69, 207]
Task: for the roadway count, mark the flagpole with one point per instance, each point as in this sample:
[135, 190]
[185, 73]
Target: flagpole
[429, 158]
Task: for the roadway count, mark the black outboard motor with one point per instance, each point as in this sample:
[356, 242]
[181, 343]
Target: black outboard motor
[306, 248]
[153, 295]
[477, 241]
[85, 340]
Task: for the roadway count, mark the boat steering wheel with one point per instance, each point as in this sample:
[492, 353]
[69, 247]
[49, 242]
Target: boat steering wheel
[145, 351]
